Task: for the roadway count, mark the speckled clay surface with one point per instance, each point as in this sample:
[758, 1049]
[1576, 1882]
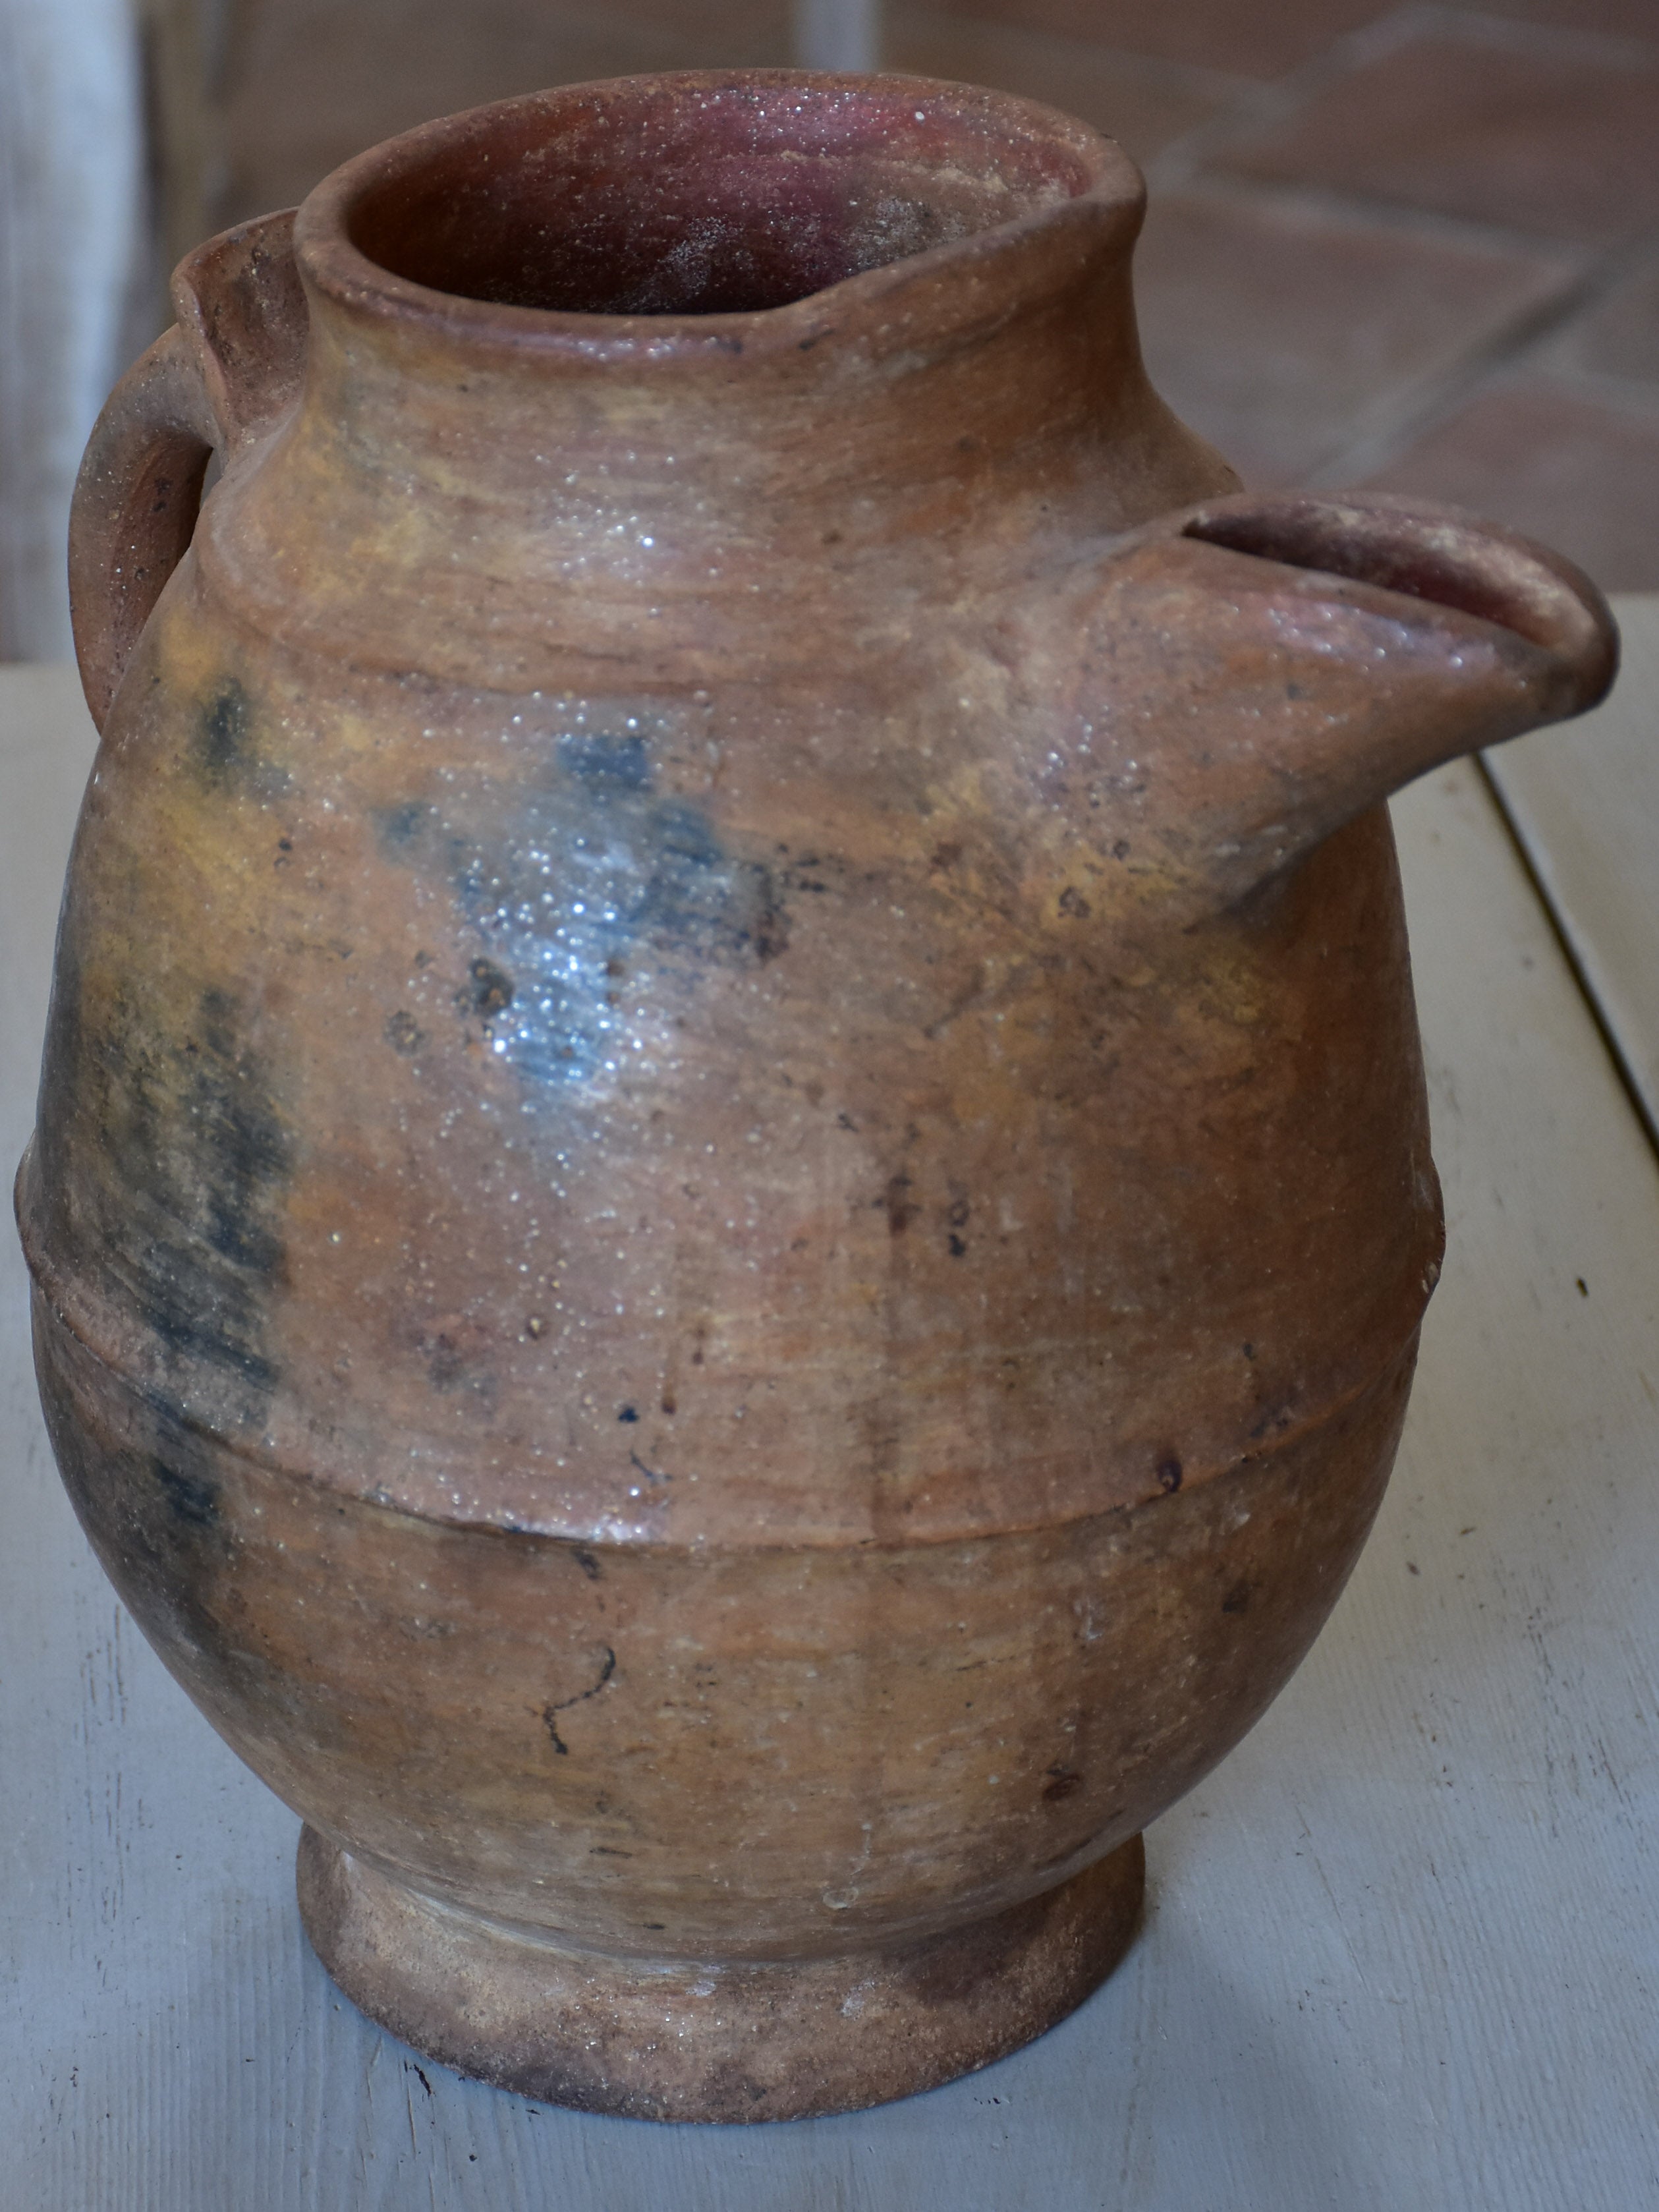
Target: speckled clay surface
[731, 1197]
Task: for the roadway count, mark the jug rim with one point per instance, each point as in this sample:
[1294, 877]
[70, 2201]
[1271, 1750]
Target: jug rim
[1070, 181]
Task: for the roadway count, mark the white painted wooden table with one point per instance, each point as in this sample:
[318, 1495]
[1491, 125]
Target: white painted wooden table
[1584, 803]
[1402, 1950]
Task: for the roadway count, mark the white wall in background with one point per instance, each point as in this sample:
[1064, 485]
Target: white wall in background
[71, 244]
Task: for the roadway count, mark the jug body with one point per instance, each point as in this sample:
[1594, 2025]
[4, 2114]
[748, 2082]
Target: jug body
[723, 1306]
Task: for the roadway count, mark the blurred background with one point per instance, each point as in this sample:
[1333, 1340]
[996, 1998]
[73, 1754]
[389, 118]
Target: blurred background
[1413, 247]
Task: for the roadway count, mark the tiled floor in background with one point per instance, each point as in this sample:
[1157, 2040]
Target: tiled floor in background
[1415, 247]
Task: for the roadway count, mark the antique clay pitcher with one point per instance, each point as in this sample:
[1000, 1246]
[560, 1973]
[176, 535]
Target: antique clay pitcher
[731, 1196]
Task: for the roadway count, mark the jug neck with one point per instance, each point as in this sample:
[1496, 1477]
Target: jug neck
[970, 383]
[594, 374]
[765, 305]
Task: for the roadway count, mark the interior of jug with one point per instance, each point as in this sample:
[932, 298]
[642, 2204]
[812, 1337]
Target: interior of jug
[697, 195]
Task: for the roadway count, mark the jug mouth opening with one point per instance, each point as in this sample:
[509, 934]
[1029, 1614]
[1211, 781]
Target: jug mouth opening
[685, 197]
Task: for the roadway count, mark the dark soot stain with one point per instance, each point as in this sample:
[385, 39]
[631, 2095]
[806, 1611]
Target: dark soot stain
[195, 1159]
[568, 882]
[191, 1496]
[227, 746]
[222, 737]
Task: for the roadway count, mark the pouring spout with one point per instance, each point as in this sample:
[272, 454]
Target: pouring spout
[1294, 660]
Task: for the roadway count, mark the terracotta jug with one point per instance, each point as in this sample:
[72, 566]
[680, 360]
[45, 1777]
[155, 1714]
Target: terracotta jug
[732, 1196]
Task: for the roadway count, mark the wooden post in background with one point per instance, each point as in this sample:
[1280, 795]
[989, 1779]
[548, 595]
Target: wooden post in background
[180, 159]
[838, 34]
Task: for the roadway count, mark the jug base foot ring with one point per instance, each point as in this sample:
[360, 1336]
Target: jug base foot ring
[672, 2039]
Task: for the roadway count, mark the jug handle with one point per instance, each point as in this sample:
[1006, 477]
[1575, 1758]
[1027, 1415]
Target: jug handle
[135, 508]
[229, 367]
